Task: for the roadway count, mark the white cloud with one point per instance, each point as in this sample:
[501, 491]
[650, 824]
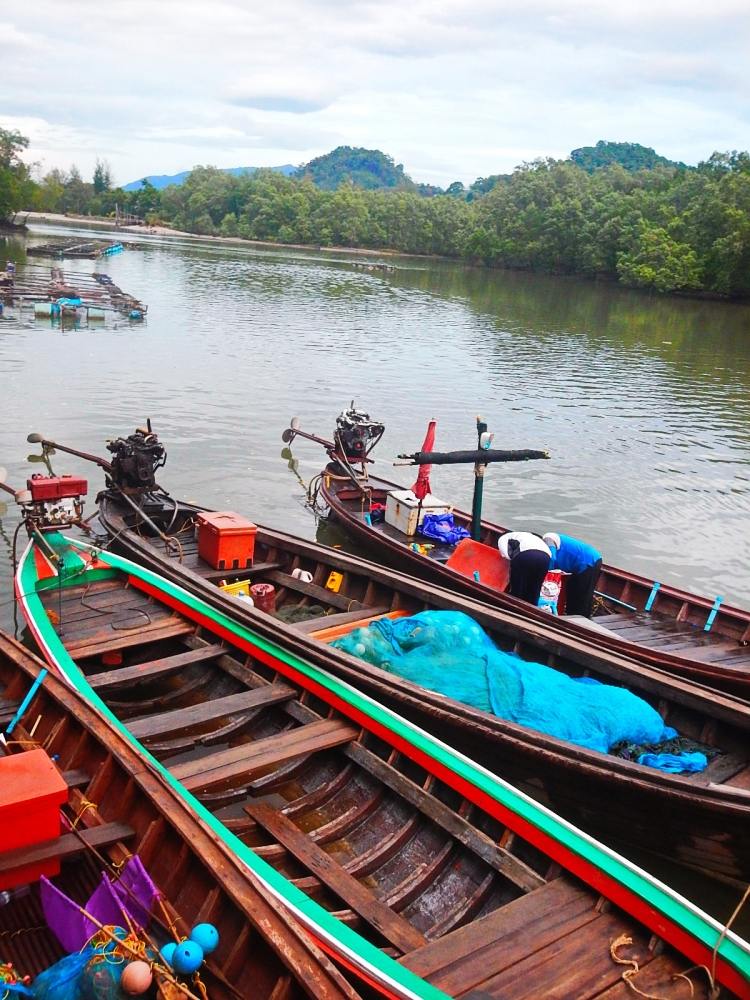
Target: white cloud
[451, 89]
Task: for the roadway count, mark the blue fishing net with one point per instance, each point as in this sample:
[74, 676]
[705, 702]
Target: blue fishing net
[62, 981]
[92, 974]
[448, 652]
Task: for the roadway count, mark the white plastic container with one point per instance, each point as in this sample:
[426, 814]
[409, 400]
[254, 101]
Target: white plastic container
[403, 510]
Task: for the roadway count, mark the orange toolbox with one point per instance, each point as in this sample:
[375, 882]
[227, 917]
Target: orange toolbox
[32, 790]
[226, 540]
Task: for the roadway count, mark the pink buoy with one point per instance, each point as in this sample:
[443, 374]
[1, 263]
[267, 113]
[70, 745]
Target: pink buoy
[136, 978]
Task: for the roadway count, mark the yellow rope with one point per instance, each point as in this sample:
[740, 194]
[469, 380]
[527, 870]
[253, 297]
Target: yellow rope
[629, 974]
[85, 806]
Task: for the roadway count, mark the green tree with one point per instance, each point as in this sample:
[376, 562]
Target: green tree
[657, 261]
[102, 176]
[16, 187]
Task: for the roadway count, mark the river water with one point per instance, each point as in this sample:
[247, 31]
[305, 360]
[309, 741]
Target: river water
[643, 402]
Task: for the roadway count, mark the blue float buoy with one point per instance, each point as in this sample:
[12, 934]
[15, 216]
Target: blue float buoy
[206, 937]
[187, 957]
[167, 952]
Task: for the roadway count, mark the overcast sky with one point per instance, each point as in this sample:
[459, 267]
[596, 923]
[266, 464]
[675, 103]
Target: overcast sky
[453, 90]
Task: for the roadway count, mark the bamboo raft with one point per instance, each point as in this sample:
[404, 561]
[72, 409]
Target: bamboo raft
[703, 819]
[35, 283]
[64, 248]
[419, 869]
[117, 808]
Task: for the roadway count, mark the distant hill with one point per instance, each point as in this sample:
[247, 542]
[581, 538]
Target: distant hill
[160, 181]
[365, 168]
[630, 155]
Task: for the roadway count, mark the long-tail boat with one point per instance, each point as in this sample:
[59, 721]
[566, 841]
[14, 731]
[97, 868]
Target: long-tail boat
[703, 817]
[414, 866]
[117, 807]
[698, 637]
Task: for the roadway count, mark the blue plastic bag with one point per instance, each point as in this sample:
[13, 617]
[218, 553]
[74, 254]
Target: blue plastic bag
[442, 529]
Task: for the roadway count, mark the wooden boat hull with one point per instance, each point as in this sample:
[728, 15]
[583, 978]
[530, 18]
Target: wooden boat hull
[396, 766]
[703, 820]
[261, 951]
[670, 635]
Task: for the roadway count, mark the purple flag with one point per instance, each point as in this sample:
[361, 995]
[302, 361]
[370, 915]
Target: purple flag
[131, 897]
[136, 891]
[63, 916]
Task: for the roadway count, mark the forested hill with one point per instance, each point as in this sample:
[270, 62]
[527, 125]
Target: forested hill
[630, 155]
[369, 169]
[160, 181]
[665, 228]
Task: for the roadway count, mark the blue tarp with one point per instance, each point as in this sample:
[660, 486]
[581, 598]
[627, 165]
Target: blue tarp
[448, 652]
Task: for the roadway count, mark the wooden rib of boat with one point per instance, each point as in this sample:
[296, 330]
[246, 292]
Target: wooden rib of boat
[670, 634]
[409, 862]
[703, 819]
[118, 807]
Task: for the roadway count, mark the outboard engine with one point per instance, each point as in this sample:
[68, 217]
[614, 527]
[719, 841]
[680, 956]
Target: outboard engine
[356, 435]
[136, 459]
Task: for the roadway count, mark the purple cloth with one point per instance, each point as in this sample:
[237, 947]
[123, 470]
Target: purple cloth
[131, 897]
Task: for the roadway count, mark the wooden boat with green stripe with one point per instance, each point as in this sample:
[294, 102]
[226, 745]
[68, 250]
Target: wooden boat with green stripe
[118, 806]
[703, 819]
[415, 867]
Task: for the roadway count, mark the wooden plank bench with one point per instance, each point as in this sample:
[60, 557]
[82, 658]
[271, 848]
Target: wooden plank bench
[110, 680]
[65, 846]
[184, 718]
[111, 639]
[321, 594]
[394, 928]
[343, 618]
[244, 762]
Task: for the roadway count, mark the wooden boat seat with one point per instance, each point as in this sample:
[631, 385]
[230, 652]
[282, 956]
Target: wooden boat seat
[110, 680]
[226, 767]
[195, 715]
[197, 565]
[462, 959]
[108, 640]
[337, 631]
[77, 778]
[394, 928]
[321, 594]
[354, 617]
[66, 846]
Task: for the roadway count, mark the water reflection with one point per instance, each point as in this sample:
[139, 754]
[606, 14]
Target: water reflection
[644, 403]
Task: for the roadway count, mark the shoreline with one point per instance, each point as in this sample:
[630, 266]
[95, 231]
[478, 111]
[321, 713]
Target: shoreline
[97, 222]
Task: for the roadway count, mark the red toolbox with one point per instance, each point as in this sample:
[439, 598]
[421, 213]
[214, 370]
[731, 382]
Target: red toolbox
[56, 487]
[226, 540]
[32, 790]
